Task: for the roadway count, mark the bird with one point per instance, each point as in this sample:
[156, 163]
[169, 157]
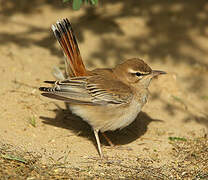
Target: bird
[106, 98]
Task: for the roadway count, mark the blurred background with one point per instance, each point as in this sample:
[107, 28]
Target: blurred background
[158, 31]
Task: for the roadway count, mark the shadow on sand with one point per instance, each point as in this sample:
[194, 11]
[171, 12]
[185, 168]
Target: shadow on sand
[65, 119]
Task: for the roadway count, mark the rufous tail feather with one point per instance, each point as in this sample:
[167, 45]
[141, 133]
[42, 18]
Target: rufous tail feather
[67, 40]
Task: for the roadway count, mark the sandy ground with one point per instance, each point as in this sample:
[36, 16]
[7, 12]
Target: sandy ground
[169, 36]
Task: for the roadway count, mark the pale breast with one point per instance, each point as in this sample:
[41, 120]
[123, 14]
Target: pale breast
[110, 117]
[123, 117]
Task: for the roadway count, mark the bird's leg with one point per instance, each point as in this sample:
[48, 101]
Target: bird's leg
[98, 142]
[107, 139]
[113, 145]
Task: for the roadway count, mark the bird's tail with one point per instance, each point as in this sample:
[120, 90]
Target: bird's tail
[66, 38]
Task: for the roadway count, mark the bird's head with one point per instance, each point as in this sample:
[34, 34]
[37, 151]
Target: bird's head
[135, 72]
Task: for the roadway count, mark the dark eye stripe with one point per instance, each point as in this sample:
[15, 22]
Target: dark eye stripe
[138, 74]
[141, 74]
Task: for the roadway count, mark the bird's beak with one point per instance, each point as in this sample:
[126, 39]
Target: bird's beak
[157, 73]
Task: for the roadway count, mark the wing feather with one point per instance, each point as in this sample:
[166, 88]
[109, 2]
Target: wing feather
[88, 90]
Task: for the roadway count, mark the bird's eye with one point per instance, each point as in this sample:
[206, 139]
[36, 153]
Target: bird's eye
[138, 74]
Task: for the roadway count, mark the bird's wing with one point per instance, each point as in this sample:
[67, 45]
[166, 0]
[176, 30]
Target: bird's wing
[93, 90]
[108, 90]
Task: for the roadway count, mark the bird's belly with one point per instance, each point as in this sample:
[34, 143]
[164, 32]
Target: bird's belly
[110, 117]
[123, 117]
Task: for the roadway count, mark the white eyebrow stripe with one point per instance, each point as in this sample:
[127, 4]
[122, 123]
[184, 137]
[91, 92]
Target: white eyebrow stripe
[134, 72]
